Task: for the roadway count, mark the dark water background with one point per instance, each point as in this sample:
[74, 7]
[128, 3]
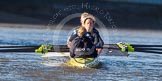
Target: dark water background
[31, 67]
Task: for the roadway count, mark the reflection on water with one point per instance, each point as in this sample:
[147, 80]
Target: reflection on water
[31, 67]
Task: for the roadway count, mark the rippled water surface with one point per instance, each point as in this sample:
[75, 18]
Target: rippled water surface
[31, 67]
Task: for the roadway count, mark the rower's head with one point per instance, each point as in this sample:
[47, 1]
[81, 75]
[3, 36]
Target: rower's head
[81, 31]
[82, 18]
[89, 22]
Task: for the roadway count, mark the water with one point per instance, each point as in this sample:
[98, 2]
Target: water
[31, 67]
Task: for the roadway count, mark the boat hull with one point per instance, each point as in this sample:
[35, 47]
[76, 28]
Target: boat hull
[90, 63]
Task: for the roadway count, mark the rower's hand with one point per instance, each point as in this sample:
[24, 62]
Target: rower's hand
[69, 44]
[99, 50]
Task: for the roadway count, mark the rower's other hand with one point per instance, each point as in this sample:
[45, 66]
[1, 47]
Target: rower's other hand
[68, 44]
[99, 50]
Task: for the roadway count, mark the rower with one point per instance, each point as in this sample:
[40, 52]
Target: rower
[82, 46]
[88, 21]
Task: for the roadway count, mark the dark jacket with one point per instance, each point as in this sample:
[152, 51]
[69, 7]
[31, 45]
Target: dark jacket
[82, 48]
[97, 38]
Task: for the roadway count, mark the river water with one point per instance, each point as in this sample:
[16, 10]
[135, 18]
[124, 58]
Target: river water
[26, 66]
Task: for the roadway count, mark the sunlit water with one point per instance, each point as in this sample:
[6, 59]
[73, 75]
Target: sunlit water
[31, 67]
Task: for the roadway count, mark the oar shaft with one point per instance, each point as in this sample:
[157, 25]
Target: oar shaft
[32, 50]
[19, 46]
[57, 46]
[135, 45]
[17, 50]
[64, 48]
[160, 49]
[149, 51]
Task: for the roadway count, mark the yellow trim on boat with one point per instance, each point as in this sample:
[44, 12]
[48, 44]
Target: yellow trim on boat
[83, 62]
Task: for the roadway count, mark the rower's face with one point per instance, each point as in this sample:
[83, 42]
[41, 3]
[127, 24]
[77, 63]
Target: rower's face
[89, 24]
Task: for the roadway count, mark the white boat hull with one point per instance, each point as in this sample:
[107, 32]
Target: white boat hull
[103, 53]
